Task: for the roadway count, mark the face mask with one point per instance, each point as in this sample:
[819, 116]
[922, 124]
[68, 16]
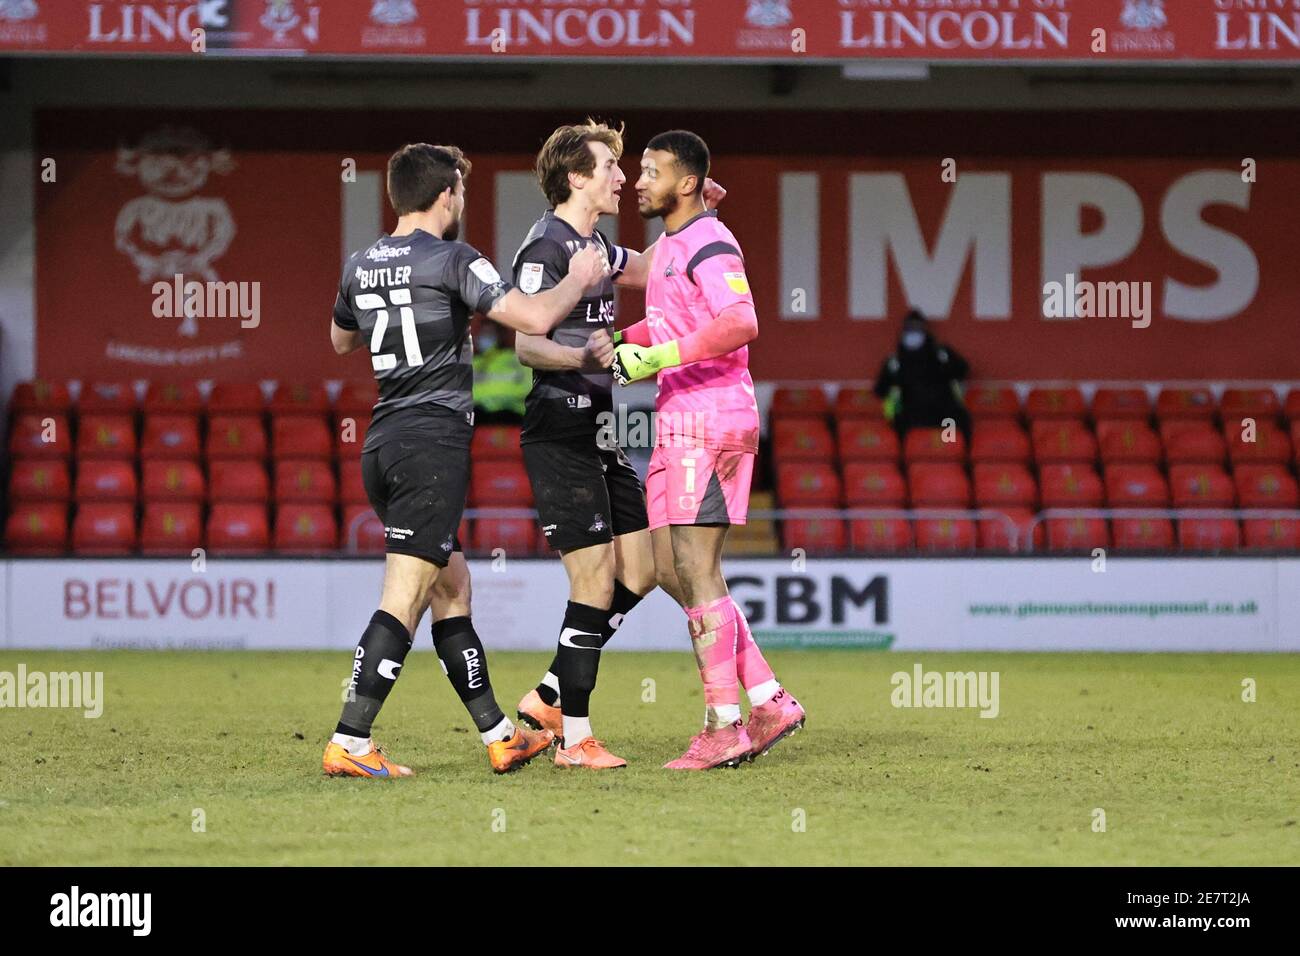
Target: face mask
[913, 339]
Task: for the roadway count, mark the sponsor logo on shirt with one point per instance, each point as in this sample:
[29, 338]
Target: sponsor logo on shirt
[384, 253]
[737, 282]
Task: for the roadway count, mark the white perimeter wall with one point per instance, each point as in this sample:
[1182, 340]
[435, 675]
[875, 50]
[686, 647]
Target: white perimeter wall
[908, 605]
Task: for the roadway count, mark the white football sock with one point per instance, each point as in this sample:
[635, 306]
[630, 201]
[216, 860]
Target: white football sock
[727, 714]
[575, 729]
[553, 682]
[502, 731]
[356, 746]
[763, 692]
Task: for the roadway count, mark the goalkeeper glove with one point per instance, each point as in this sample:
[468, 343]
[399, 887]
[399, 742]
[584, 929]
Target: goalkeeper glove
[635, 362]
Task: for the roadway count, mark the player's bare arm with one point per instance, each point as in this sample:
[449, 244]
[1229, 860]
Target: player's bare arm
[539, 313]
[545, 355]
[345, 340]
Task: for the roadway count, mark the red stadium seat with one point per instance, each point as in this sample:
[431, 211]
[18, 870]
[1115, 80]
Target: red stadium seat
[236, 398]
[352, 487]
[1192, 442]
[41, 396]
[37, 480]
[1069, 486]
[934, 485]
[999, 440]
[350, 435]
[814, 535]
[235, 436]
[44, 437]
[1063, 441]
[173, 399]
[1076, 534]
[106, 480]
[499, 484]
[106, 436]
[1009, 532]
[883, 535]
[857, 403]
[1258, 403]
[166, 480]
[808, 485]
[934, 445]
[943, 535]
[238, 481]
[170, 436]
[864, 440]
[1128, 442]
[496, 441]
[171, 527]
[1177, 403]
[1136, 486]
[1143, 534]
[104, 528]
[1200, 486]
[1291, 409]
[799, 401]
[517, 536]
[1270, 445]
[1209, 534]
[357, 399]
[986, 402]
[305, 481]
[1121, 404]
[238, 528]
[1272, 534]
[1265, 486]
[37, 528]
[362, 532]
[107, 398]
[801, 439]
[302, 528]
[1052, 403]
[1004, 486]
[298, 398]
[302, 436]
[874, 484]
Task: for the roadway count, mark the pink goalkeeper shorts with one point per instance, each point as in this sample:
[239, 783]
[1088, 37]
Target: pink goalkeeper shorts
[698, 486]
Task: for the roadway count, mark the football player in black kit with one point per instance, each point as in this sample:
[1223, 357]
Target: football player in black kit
[409, 299]
[589, 499]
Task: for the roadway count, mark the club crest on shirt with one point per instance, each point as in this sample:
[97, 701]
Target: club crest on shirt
[530, 277]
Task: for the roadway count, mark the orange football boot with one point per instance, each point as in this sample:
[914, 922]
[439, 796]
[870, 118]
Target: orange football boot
[588, 752]
[514, 752]
[339, 763]
[539, 715]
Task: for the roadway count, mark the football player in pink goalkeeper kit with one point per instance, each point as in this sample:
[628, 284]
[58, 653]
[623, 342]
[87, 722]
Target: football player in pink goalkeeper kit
[699, 321]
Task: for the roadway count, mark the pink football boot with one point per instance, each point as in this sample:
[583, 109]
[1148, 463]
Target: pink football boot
[773, 721]
[725, 747]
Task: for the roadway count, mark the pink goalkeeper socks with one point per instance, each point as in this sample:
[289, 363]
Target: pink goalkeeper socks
[751, 667]
[714, 635]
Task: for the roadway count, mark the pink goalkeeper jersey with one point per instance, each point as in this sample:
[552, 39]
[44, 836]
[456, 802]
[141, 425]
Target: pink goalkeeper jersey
[698, 272]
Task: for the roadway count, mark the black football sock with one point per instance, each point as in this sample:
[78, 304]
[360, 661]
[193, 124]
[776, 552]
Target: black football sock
[375, 665]
[624, 600]
[465, 664]
[550, 692]
[577, 658]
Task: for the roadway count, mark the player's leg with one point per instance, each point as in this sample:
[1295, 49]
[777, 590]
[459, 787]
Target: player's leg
[464, 661]
[774, 713]
[384, 644]
[573, 506]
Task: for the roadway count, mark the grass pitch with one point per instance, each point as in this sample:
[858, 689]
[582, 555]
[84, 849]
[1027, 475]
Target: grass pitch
[1185, 771]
